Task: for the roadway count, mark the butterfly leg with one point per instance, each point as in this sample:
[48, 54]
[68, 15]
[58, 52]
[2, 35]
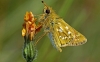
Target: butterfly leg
[40, 38]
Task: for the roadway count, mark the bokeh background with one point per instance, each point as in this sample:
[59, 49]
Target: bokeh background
[83, 15]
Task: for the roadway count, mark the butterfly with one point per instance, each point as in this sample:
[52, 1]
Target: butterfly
[60, 33]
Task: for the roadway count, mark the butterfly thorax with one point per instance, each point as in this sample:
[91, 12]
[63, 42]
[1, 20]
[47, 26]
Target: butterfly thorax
[48, 20]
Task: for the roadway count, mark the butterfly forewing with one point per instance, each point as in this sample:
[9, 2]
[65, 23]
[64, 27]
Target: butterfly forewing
[66, 35]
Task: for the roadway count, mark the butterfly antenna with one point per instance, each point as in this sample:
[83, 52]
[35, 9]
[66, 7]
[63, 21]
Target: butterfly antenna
[44, 3]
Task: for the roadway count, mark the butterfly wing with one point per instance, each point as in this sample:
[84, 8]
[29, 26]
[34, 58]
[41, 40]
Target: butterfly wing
[63, 35]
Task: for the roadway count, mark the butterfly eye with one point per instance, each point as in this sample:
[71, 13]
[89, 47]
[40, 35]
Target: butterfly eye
[47, 11]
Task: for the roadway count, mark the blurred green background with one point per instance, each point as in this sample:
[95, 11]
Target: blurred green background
[83, 15]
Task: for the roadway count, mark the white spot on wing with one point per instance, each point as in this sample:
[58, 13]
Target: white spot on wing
[69, 32]
[59, 23]
[59, 36]
[63, 38]
[60, 29]
[66, 27]
[64, 45]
